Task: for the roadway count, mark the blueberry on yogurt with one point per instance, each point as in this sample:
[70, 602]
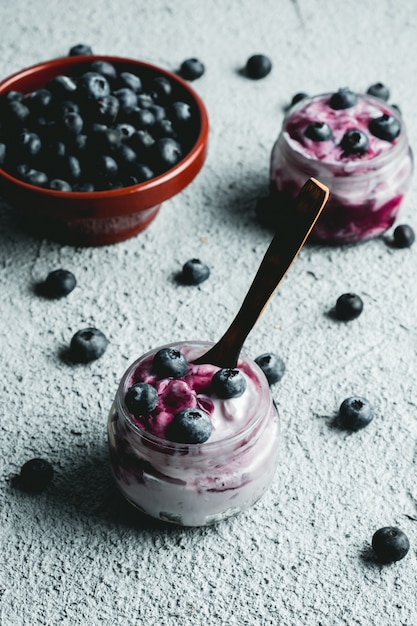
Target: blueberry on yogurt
[379, 90]
[318, 131]
[343, 99]
[354, 142]
[385, 127]
[141, 399]
[228, 383]
[169, 363]
[191, 425]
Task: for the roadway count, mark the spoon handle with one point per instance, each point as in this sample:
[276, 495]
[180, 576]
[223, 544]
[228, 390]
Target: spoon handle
[296, 225]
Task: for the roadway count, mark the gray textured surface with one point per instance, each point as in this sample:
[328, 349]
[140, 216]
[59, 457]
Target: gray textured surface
[74, 555]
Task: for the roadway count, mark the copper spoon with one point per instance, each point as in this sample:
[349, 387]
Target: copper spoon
[296, 225]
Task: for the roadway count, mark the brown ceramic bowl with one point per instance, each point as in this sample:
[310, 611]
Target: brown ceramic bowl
[101, 217]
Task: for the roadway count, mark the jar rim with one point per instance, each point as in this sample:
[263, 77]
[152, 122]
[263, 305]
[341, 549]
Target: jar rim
[166, 444]
[334, 166]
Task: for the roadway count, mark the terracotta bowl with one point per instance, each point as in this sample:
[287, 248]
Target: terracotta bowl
[101, 217]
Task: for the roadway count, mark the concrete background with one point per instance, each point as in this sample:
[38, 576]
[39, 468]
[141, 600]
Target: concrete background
[75, 554]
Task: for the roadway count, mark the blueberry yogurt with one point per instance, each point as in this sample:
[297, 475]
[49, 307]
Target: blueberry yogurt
[192, 444]
[356, 145]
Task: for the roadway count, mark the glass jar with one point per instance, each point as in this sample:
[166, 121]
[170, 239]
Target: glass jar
[197, 484]
[366, 190]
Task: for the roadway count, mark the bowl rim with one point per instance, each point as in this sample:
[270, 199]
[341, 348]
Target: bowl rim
[196, 153]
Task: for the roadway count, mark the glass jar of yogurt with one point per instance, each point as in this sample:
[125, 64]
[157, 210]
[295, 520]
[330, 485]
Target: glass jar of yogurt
[193, 483]
[357, 145]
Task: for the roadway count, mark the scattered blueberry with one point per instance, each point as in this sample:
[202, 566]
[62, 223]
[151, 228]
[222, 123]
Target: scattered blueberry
[194, 272]
[169, 363]
[228, 383]
[80, 49]
[379, 90]
[403, 236]
[348, 306]
[191, 69]
[318, 131]
[141, 399]
[385, 127]
[258, 66]
[343, 99]
[390, 544]
[190, 426]
[36, 475]
[354, 142]
[272, 366]
[88, 344]
[355, 413]
[58, 283]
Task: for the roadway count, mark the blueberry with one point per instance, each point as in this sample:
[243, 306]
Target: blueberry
[141, 399]
[403, 236]
[140, 141]
[57, 184]
[343, 99]
[87, 345]
[72, 123]
[38, 101]
[124, 155]
[103, 139]
[104, 68]
[129, 80]
[190, 425]
[141, 118]
[86, 187]
[180, 112]
[168, 152]
[191, 69]
[272, 366]
[31, 176]
[390, 544]
[228, 383]
[80, 49]
[355, 413]
[105, 167]
[28, 144]
[93, 85]
[125, 130]
[169, 363]
[385, 127]
[258, 66]
[379, 90]
[36, 475]
[194, 272]
[145, 101]
[68, 168]
[67, 106]
[348, 306]
[298, 97]
[58, 283]
[163, 128]
[127, 98]
[354, 142]
[159, 112]
[3, 153]
[318, 131]
[62, 86]
[160, 88]
[140, 172]
[17, 112]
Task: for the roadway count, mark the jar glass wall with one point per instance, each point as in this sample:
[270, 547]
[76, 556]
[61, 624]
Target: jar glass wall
[197, 484]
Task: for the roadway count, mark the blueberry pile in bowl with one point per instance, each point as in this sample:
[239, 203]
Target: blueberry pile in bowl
[90, 146]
